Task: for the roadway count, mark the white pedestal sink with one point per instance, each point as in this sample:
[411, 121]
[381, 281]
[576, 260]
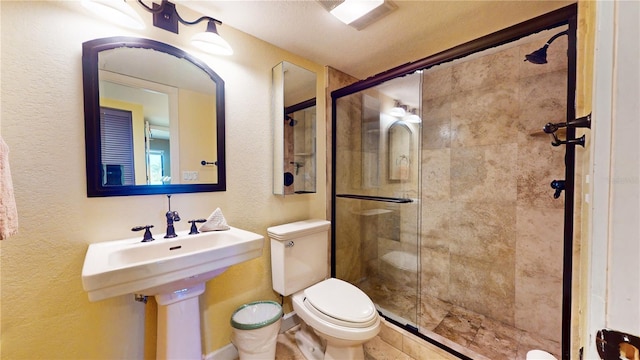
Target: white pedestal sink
[174, 271]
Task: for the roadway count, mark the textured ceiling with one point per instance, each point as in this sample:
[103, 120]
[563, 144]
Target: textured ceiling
[411, 32]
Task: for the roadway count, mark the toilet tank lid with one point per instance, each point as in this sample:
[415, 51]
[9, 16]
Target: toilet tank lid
[297, 229]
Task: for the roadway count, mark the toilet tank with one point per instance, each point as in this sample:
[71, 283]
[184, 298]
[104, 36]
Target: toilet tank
[299, 255]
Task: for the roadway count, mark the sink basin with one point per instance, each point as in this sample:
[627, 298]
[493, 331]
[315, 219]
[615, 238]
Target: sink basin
[114, 268]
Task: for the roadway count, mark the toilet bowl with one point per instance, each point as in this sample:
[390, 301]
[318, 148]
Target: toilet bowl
[540, 355]
[339, 313]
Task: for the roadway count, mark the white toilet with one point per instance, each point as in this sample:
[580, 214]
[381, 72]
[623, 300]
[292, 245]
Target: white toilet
[342, 315]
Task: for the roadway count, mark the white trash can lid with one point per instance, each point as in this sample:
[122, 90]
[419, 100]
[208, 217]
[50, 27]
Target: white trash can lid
[256, 315]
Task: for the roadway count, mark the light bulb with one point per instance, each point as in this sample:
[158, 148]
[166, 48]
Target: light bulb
[117, 11]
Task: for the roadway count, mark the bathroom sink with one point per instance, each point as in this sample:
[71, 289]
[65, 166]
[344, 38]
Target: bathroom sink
[114, 268]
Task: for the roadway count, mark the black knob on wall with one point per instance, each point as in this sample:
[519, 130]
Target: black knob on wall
[558, 185]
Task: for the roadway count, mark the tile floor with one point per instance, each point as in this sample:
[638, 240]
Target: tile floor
[465, 331]
[488, 337]
[392, 343]
[491, 342]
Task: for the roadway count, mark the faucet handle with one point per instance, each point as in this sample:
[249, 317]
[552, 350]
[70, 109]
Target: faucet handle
[194, 229]
[147, 233]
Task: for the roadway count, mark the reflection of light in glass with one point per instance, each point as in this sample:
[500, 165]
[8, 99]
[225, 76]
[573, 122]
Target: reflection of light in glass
[155, 168]
[447, 132]
[412, 117]
[398, 110]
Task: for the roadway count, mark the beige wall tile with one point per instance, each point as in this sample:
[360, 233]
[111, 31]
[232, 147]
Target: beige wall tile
[538, 163]
[538, 305]
[437, 81]
[485, 287]
[436, 122]
[436, 174]
[377, 349]
[485, 116]
[435, 224]
[435, 274]
[484, 231]
[485, 71]
[391, 334]
[542, 100]
[539, 240]
[484, 174]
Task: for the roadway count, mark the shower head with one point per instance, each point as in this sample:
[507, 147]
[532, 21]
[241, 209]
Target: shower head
[540, 56]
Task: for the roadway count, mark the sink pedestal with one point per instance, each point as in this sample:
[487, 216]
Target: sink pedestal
[179, 324]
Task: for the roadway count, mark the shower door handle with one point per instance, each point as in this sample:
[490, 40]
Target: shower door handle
[375, 198]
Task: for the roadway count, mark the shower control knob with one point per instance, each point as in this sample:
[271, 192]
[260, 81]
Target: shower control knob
[558, 185]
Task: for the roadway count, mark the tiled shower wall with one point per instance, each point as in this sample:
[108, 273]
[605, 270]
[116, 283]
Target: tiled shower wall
[491, 231]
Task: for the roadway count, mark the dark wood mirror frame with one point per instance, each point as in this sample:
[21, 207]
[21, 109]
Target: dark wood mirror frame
[90, 52]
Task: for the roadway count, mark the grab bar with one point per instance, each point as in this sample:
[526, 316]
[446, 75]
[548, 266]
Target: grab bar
[375, 198]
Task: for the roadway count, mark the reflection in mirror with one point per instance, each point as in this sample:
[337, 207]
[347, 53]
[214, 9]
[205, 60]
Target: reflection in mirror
[399, 149]
[294, 109]
[154, 118]
[389, 135]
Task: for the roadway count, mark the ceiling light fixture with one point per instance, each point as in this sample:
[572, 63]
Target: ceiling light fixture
[165, 16]
[358, 13]
[117, 11]
[351, 10]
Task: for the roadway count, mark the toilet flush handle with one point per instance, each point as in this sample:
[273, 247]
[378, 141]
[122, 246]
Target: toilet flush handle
[290, 244]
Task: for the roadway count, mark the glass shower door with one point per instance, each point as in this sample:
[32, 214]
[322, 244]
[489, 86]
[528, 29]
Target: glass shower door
[376, 200]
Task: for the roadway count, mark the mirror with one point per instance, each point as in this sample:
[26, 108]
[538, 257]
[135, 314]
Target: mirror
[399, 149]
[154, 119]
[294, 118]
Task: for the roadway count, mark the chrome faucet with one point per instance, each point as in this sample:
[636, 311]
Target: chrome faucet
[171, 217]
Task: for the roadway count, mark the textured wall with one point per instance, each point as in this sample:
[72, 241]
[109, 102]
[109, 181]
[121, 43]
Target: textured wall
[492, 232]
[45, 312]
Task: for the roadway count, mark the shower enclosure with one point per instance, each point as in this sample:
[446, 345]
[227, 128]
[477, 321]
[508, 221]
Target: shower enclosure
[442, 208]
[377, 193]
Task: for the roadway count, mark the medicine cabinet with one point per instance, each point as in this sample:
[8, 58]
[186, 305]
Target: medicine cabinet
[294, 120]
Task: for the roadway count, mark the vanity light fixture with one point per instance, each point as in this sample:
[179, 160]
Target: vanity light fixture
[398, 110]
[165, 16]
[117, 11]
[412, 117]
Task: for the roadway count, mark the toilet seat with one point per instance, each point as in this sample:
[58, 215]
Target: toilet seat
[340, 303]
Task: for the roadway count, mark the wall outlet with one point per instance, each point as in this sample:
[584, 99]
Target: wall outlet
[189, 175]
